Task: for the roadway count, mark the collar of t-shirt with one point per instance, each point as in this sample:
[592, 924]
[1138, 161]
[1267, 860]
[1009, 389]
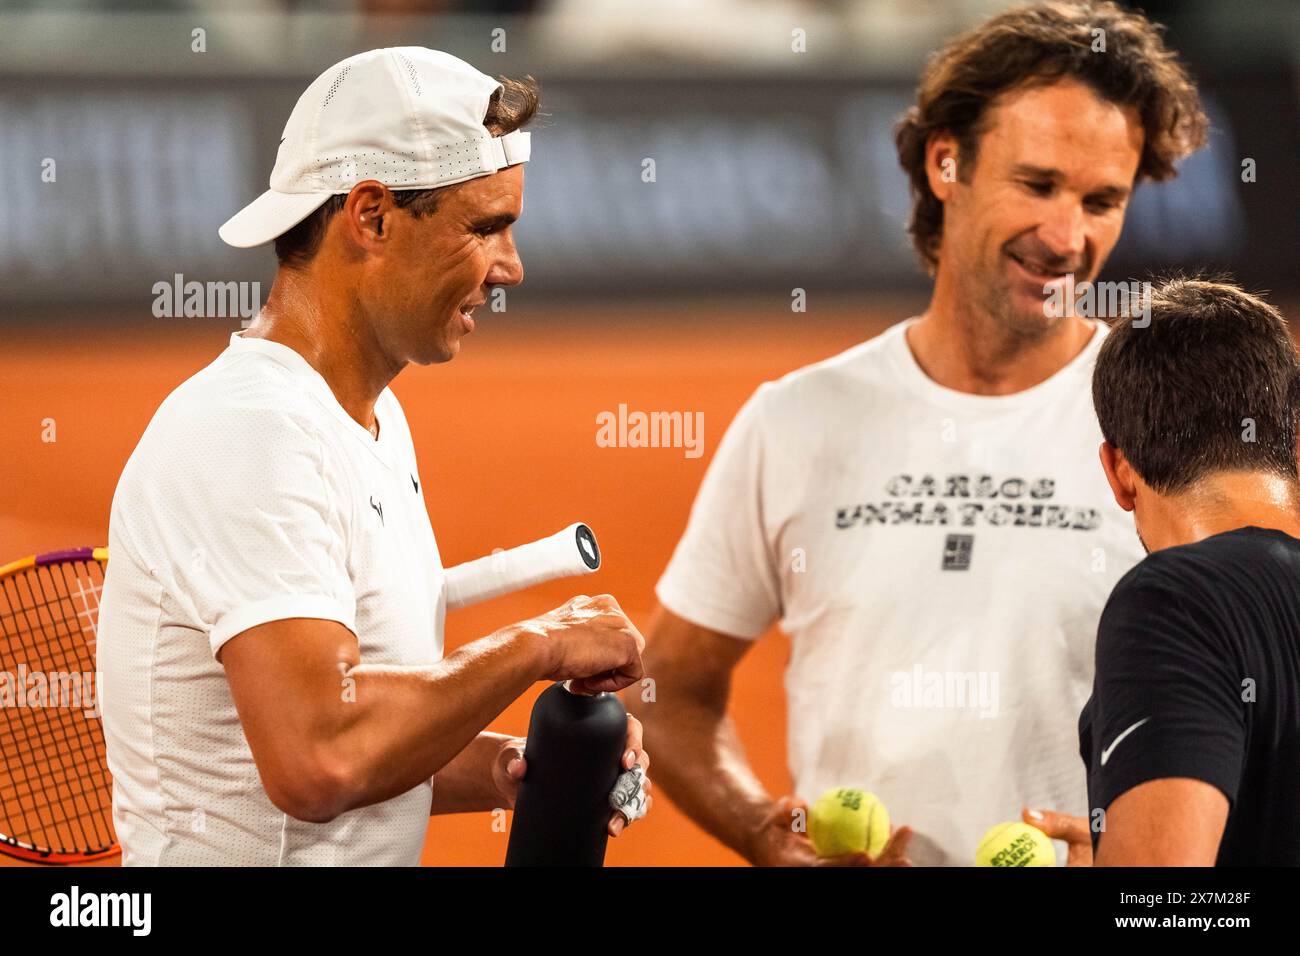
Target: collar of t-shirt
[914, 377]
[314, 383]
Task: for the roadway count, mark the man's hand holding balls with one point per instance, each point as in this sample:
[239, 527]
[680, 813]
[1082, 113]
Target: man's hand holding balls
[845, 827]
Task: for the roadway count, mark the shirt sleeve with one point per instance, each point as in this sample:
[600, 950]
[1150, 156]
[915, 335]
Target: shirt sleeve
[721, 575]
[245, 524]
[1167, 696]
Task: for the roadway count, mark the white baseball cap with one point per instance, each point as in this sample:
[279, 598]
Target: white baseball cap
[409, 117]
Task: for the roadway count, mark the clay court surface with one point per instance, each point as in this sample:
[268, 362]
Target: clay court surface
[506, 440]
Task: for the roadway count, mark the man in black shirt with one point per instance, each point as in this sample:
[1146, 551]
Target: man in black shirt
[1192, 735]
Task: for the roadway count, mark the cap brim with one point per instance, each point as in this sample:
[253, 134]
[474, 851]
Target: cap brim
[269, 215]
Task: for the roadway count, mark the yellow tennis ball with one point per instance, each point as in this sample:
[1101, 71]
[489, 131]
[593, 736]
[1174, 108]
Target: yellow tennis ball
[1015, 844]
[848, 821]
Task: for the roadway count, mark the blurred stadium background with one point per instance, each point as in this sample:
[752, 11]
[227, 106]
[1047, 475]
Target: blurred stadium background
[774, 171]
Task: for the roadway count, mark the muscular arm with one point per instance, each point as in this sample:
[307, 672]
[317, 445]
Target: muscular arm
[1174, 821]
[699, 759]
[330, 734]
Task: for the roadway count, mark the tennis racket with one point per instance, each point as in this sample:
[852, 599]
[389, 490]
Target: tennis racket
[55, 791]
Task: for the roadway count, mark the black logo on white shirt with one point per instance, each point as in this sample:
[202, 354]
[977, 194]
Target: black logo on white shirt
[957, 551]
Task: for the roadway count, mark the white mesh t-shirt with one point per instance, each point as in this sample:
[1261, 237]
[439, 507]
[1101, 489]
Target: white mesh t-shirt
[254, 497]
[940, 561]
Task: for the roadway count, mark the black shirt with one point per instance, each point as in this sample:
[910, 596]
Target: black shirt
[1198, 675]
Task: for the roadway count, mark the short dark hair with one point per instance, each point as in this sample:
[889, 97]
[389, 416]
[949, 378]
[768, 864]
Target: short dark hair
[510, 108]
[1039, 44]
[1211, 384]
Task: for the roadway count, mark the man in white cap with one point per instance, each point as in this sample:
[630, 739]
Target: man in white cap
[270, 643]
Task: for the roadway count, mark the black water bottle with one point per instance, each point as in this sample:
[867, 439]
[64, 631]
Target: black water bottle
[574, 756]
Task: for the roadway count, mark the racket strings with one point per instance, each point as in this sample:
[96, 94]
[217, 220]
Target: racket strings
[59, 746]
[31, 739]
[29, 744]
[27, 737]
[55, 790]
[87, 776]
[83, 775]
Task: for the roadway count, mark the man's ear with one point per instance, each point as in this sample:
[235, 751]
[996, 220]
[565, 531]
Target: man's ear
[941, 160]
[366, 214]
[1120, 475]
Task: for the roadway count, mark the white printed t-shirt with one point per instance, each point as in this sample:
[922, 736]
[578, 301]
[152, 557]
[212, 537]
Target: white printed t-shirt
[940, 561]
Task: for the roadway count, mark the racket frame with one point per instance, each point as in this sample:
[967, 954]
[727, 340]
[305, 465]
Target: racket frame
[10, 845]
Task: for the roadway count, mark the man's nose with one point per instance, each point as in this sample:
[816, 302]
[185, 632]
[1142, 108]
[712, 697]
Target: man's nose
[507, 267]
[1064, 233]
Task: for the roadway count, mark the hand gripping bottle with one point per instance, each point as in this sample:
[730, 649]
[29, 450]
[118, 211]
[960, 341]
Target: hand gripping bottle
[574, 755]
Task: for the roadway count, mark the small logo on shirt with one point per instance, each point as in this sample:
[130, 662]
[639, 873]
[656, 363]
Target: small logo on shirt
[956, 552]
[1105, 754]
[415, 484]
[379, 508]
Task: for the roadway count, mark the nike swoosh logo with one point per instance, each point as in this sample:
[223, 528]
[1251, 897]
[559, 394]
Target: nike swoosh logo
[415, 484]
[1105, 754]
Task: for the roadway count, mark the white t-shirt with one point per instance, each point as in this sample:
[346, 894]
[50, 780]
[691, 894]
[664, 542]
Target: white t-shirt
[254, 497]
[940, 561]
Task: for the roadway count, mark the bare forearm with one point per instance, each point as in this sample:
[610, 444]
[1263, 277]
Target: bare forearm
[465, 785]
[330, 733]
[701, 764]
[407, 724]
